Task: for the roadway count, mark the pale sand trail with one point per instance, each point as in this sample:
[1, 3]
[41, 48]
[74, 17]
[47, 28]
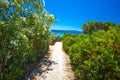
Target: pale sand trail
[57, 67]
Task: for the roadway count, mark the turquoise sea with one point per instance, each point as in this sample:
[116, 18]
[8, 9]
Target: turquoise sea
[61, 32]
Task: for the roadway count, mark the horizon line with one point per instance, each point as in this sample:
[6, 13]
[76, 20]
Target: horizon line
[67, 29]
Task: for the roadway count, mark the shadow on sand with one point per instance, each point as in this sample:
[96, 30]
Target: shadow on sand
[38, 68]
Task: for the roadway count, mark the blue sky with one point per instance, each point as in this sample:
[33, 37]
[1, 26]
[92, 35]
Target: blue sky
[72, 14]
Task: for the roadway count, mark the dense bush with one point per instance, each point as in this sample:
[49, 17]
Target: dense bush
[54, 39]
[95, 56]
[24, 34]
[93, 26]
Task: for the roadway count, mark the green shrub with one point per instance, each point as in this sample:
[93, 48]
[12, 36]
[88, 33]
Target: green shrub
[24, 33]
[95, 56]
[54, 39]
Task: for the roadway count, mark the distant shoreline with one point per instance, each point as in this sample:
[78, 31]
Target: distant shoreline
[61, 32]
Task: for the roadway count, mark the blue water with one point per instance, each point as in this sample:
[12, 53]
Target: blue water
[61, 32]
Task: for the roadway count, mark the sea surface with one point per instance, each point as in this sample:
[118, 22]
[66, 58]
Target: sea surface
[62, 32]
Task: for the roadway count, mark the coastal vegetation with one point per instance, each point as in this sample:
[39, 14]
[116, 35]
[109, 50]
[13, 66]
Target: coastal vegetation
[25, 38]
[54, 39]
[24, 35]
[95, 54]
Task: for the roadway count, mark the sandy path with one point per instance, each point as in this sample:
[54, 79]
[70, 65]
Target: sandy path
[57, 67]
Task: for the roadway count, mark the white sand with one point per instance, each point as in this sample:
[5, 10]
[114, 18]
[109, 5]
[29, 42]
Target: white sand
[58, 66]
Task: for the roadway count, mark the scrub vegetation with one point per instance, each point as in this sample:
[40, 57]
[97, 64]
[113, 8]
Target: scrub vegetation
[95, 54]
[24, 35]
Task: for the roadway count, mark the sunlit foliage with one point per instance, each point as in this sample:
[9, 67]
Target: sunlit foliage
[24, 34]
[95, 56]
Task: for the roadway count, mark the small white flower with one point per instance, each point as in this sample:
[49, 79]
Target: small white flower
[1, 22]
[24, 36]
[24, 19]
